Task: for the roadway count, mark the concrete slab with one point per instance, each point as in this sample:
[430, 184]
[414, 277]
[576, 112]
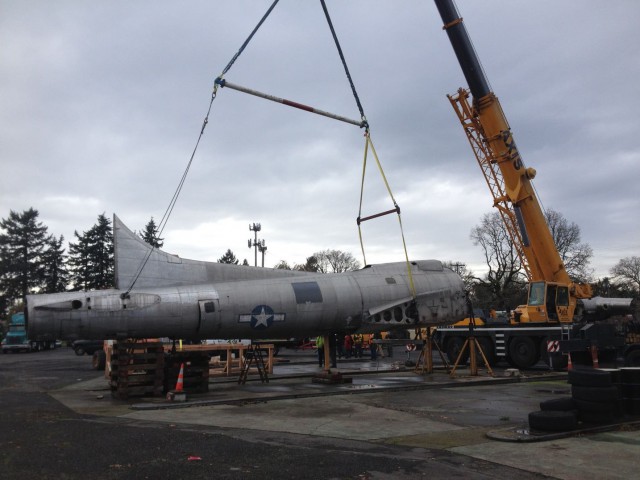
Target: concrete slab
[386, 405]
[606, 455]
[339, 417]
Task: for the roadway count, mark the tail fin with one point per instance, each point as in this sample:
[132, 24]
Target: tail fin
[163, 269]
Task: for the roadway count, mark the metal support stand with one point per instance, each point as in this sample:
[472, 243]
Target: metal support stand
[472, 344]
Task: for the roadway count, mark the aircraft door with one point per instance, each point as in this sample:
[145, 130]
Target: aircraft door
[209, 319]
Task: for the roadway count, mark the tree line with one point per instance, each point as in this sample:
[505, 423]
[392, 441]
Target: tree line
[33, 260]
[504, 286]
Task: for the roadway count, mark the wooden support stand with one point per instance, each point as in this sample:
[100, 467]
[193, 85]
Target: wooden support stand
[425, 360]
[137, 369]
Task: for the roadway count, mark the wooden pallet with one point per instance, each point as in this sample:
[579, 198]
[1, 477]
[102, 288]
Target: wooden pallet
[137, 369]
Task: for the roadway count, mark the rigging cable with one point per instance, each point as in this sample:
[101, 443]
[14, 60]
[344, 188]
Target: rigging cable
[369, 143]
[344, 64]
[165, 218]
[360, 219]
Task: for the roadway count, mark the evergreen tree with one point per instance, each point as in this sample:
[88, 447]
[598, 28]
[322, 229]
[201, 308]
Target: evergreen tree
[22, 243]
[78, 262]
[91, 258]
[310, 265]
[56, 276]
[150, 235]
[228, 257]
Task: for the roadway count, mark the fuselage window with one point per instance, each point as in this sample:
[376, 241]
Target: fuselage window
[307, 292]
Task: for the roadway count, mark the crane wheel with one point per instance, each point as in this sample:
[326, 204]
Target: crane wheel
[454, 345]
[523, 352]
[99, 360]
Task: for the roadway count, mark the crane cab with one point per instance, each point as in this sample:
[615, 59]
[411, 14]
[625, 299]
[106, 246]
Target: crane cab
[548, 302]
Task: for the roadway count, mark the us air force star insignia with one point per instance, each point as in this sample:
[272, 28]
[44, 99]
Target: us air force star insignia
[261, 317]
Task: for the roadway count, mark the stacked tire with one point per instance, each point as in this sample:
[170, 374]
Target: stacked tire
[555, 415]
[630, 386]
[596, 398]
[597, 395]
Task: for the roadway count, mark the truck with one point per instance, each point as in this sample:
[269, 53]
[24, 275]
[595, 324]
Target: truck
[16, 339]
[554, 321]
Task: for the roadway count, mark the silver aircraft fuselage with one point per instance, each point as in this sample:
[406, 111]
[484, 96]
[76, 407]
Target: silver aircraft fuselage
[187, 299]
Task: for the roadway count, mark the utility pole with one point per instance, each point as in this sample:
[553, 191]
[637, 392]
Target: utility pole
[458, 267]
[263, 249]
[257, 244]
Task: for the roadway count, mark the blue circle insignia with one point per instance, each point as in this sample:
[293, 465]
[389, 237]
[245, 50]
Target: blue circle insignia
[262, 317]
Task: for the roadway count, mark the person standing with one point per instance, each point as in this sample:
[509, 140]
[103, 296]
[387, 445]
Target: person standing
[320, 347]
[357, 345]
[348, 346]
[373, 347]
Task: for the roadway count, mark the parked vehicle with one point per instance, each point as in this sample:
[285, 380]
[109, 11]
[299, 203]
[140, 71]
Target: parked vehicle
[16, 339]
[89, 347]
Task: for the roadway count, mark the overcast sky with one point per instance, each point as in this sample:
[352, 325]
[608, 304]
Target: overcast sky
[101, 104]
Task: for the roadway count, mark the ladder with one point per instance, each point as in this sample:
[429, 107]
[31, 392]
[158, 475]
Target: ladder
[253, 356]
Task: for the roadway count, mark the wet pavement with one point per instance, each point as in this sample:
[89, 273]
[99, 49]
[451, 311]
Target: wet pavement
[387, 403]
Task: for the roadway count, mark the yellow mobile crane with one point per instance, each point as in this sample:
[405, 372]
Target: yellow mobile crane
[553, 297]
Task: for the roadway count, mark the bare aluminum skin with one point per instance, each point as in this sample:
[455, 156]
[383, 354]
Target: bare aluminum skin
[190, 299]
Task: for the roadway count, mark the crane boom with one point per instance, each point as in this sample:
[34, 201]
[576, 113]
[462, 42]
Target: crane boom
[510, 182]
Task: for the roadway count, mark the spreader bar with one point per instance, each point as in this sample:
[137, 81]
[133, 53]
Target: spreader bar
[223, 83]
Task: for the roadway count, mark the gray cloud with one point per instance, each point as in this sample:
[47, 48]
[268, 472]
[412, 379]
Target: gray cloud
[102, 104]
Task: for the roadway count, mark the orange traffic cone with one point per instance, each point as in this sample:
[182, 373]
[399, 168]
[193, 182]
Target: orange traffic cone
[569, 364]
[180, 383]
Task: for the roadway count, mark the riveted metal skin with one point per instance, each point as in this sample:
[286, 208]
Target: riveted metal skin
[189, 299]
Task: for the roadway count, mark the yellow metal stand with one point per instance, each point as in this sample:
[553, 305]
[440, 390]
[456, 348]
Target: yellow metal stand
[472, 344]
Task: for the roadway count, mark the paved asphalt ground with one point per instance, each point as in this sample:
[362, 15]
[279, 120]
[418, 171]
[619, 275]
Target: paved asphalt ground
[378, 435]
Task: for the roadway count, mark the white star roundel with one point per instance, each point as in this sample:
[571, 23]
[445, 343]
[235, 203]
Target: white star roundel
[261, 317]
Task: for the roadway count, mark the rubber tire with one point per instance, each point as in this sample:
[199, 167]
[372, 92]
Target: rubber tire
[632, 359]
[553, 421]
[590, 378]
[79, 351]
[630, 375]
[99, 360]
[454, 345]
[562, 404]
[597, 417]
[588, 406]
[595, 394]
[523, 352]
[489, 351]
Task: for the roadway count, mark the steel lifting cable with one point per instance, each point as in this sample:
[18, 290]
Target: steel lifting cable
[165, 218]
[363, 121]
[344, 64]
[369, 144]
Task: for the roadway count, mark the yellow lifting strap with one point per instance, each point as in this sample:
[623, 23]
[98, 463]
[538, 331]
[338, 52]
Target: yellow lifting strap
[368, 143]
